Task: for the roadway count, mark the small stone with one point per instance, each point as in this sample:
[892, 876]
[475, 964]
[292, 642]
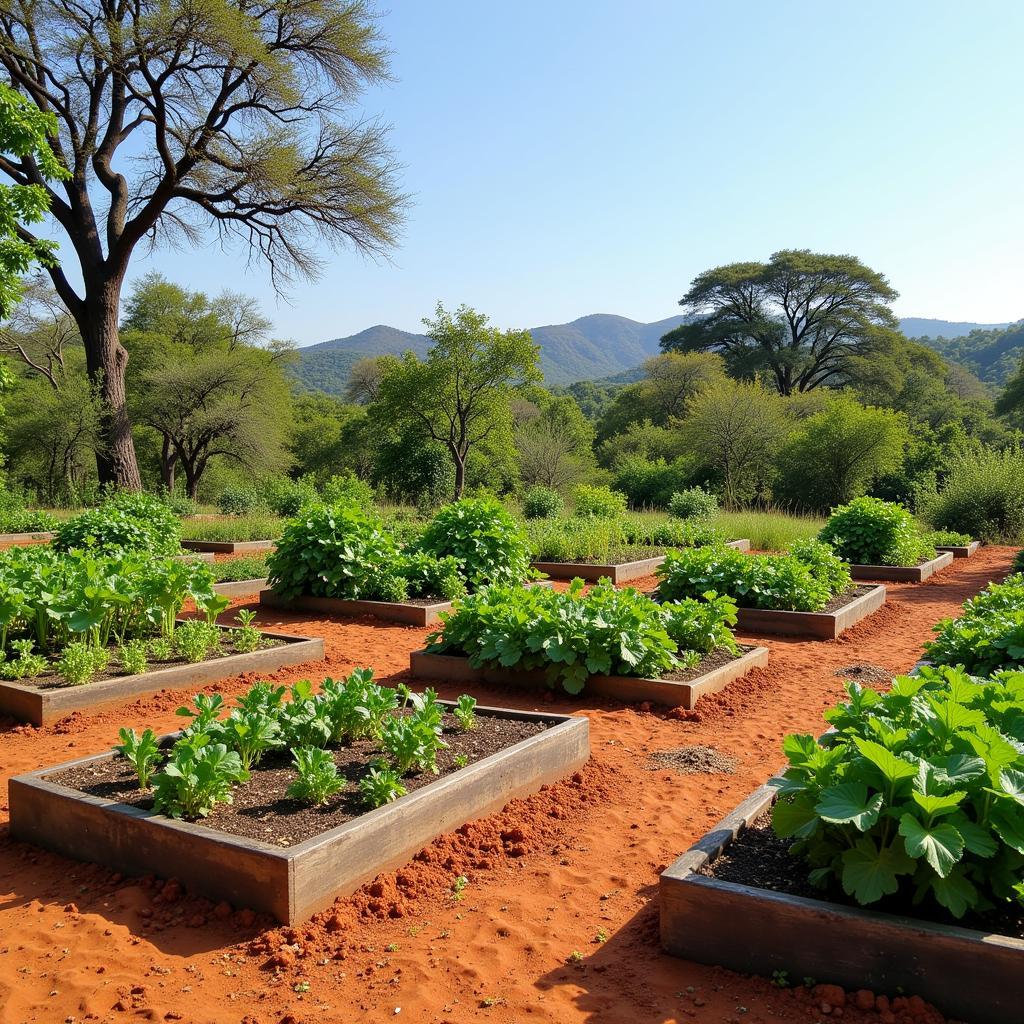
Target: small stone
[864, 999]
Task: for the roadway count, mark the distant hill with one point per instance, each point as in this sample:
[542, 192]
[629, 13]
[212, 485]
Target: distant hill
[608, 348]
[595, 346]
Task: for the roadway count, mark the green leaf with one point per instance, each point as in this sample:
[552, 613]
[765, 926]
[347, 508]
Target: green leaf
[893, 768]
[794, 818]
[870, 873]
[977, 839]
[849, 803]
[1012, 782]
[940, 845]
[955, 893]
[937, 806]
[1008, 822]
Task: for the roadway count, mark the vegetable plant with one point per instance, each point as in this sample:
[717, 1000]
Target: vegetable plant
[411, 743]
[465, 712]
[915, 794]
[318, 776]
[248, 637]
[251, 734]
[869, 531]
[194, 639]
[79, 663]
[143, 752]
[132, 655]
[27, 665]
[197, 776]
[380, 786]
[124, 522]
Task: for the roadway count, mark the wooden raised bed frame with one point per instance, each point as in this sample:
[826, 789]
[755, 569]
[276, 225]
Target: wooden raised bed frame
[631, 689]
[966, 973]
[820, 625]
[229, 547]
[392, 611]
[290, 883]
[239, 588]
[902, 573]
[960, 550]
[36, 537]
[620, 572]
[27, 703]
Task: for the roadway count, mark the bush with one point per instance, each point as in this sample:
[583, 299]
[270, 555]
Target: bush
[784, 582]
[347, 487]
[914, 795]
[693, 503]
[542, 502]
[483, 538]
[286, 497]
[239, 501]
[869, 531]
[650, 483]
[948, 539]
[127, 521]
[598, 502]
[15, 518]
[982, 497]
[613, 632]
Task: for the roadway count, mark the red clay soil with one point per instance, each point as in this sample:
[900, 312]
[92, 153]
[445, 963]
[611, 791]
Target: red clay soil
[557, 920]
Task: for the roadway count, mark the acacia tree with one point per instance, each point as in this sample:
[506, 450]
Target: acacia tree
[176, 116]
[460, 394]
[801, 316]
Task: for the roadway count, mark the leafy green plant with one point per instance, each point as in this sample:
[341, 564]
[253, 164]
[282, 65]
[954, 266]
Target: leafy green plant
[124, 522]
[598, 502]
[27, 665]
[132, 655]
[15, 518]
[251, 734]
[948, 539]
[196, 777]
[143, 752]
[572, 634]
[916, 793]
[869, 531]
[465, 712]
[306, 720]
[428, 576]
[485, 540]
[247, 638]
[411, 743]
[195, 639]
[542, 503]
[318, 777]
[693, 503]
[380, 786]
[79, 663]
[239, 528]
[245, 567]
[204, 714]
[161, 648]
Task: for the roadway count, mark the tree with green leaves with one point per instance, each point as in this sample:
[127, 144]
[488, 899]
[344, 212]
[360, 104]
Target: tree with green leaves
[554, 441]
[1011, 402]
[799, 318]
[460, 395]
[175, 118]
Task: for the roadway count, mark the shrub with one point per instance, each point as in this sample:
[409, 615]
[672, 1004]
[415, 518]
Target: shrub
[598, 502]
[650, 483]
[948, 539]
[238, 501]
[785, 582]
[15, 518]
[869, 531]
[572, 634]
[124, 522]
[347, 487]
[693, 503]
[915, 795]
[426, 575]
[982, 497]
[541, 502]
[286, 497]
[483, 538]
[669, 533]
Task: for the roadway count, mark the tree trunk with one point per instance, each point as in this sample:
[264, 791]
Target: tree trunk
[106, 360]
[168, 460]
[460, 475]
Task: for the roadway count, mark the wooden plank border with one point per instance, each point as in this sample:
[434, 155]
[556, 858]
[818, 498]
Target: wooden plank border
[290, 883]
[37, 537]
[239, 588]
[967, 974]
[391, 611]
[821, 625]
[45, 706]
[960, 550]
[631, 689]
[902, 573]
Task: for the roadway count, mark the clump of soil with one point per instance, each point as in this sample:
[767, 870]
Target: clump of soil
[866, 674]
[694, 760]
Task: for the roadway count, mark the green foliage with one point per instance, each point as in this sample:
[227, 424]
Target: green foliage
[380, 786]
[248, 637]
[161, 648]
[768, 529]
[834, 455]
[79, 662]
[541, 502]
[286, 497]
[132, 656]
[982, 497]
[483, 537]
[598, 502]
[425, 575]
[27, 664]
[572, 634]
[650, 483]
[261, 526]
[803, 581]
[412, 743]
[465, 712]
[989, 633]
[318, 777]
[195, 639]
[1018, 562]
[245, 567]
[143, 752]
[347, 487]
[693, 503]
[869, 531]
[196, 777]
[608, 541]
[916, 794]
[124, 522]
[236, 500]
[948, 539]
[15, 518]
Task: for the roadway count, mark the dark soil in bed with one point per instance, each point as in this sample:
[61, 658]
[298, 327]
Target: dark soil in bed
[758, 858]
[52, 681]
[716, 659]
[843, 599]
[262, 811]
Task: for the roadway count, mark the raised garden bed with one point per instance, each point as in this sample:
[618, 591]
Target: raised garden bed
[620, 572]
[42, 703]
[969, 974]
[902, 573]
[229, 547]
[240, 588]
[35, 537]
[290, 882]
[960, 550]
[713, 674]
[422, 612]
[858, 603]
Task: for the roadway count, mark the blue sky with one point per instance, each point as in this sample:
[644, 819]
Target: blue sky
[579, 156]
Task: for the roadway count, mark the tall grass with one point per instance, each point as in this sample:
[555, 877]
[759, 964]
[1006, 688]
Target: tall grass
[233, 528]
[769, 529]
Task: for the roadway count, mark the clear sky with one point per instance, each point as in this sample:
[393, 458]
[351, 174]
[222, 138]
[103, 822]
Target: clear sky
[581, 156]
